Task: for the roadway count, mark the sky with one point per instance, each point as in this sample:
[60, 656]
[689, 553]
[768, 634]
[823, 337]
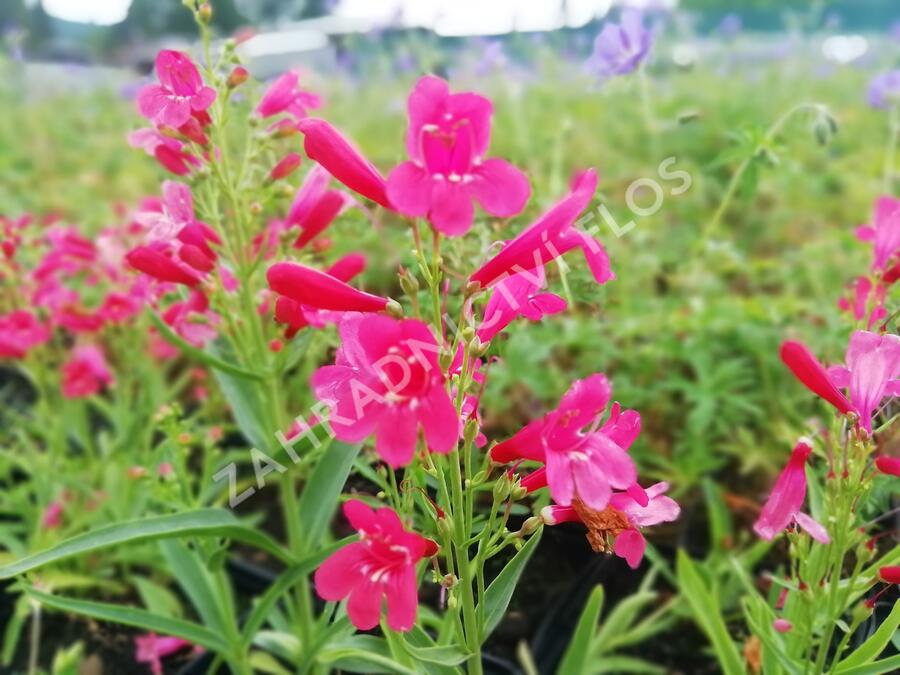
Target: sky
[448, 17]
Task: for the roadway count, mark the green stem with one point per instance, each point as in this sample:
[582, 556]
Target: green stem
[890, 155]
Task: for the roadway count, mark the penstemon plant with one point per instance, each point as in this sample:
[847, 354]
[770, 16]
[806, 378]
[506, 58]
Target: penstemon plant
[242, 296]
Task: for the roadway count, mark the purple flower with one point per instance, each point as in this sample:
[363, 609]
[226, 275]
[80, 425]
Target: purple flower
[884, 90]
[730, 26]
[620, 48]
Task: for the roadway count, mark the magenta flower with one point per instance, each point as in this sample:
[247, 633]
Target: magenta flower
[446, 141]
[884, 232]
[315, 206]
[286, 166]
[871, 373]
[787, 497]
[581, 460]
[180, 91]
[86, 373]
[325, 144]
[863, 295]
[152, 648]
[20, 332]
[52, 516]
[889, 466]
[518, 295]
[813, 375]
[169, 152]
[380, 567]
[550, 236]
[320, 290]
[286, 96]
[192, 319]
[622, 519]
[386, 380]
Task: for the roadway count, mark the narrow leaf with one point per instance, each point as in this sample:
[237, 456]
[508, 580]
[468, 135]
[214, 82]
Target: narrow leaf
[576, 657]
[500, 591]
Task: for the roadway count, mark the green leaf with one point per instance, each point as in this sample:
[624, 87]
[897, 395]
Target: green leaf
[359, 653]
[196, 581]
[888, 665]
[131, 616]
[448, 655]
[499, 593]
[157, 599]
[200, 522]
[248, 409]
[626, 664]
[871, 648]
[576, 657]
[707, 614]
[322, 491]
[201, 355]
[619, 622]
[285, 582]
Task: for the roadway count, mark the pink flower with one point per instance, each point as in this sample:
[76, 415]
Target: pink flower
[581, 460]
[20, 332]
[285, 95]
[446, 141]
[192, 319]
[890, 574]
[286, 166]
[52, 516]
[873, 366]
[884, 232]
[181, 91]
[518, 295]
[782, 625]
[549, 237]
[314, 288]
[813, 375]
[315, 206]
[787, 497]
[325, 144]
[380, 567]
[386, 380]
[85, 373]
[152, 648]
[622, 519]
[864, 293]
[889, 466]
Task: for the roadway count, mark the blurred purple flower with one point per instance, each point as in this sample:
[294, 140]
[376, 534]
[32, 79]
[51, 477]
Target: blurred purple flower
[492, 58]
[895, 31]
[620, 47]
[884, 90]
[730, 26]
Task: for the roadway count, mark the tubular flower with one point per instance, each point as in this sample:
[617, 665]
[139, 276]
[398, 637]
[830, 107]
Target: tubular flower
[169, 152]
[863, 294]
[787, 497]
[285, 166]
[152, 648]
[315, 206]
[386, 380]
[889, 466]
[446, 141]
[813, 375]
[286, 96]
[890, 574]
[295, 315]
[20, 332]
[871, 373]
[85, 373]
[883, 233]
[551, 236]
[325, 144]
[581, 460]
[622, 520]
[180, 91]
[380, 567]
[515, 296]
[320, 290]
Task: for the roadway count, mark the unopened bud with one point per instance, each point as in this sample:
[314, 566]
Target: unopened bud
[445, 360]
[501, 489]
[468, 333]
[451, 601]
[237, 77]
[408, 283]
[276, 346]
[443, 527]
[518, 492]
[205, 12]
[286, 166]
[255, 208]
[470, 431]
[479, 477]
[531, 525]
[475, 347]
[394, 309]
[472, 288]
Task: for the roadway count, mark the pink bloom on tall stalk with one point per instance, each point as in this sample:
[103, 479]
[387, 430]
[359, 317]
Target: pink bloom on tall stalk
[622, 519]
[518, 295]
[884, 232]
[315, 206]
[550, 236]
[319, 290]
[152, 648]
[380, 567]
[812, 374]
[890, 466]
[286, 96]
[863, 296]
[447, 139]
[180, 91]
[86, 373]
[871, 373]
[325, 144]
[20, 332]
[582, 460]
[787, 497]
[192, 319]
[386, 380]
[169, 152]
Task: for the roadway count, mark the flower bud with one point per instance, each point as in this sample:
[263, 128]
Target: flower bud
[501, 489]
[518, 492]
[443, 527]
[782, 625]
[452, 602]
[205, 12]
[286, 166]
[255, 208]
[445, 360]
[531, 525]
[276, 346]
[408, 283]
[394, 309]
[237, 77]
[479, 477]
[470, 431]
